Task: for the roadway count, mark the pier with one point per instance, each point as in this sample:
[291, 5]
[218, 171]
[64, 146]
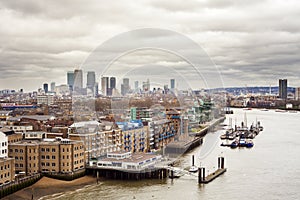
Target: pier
[202, 179]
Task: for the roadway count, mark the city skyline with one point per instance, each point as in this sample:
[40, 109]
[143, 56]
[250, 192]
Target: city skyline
[247, 48]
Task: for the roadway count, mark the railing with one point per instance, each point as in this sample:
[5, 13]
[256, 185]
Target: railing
[18, 184]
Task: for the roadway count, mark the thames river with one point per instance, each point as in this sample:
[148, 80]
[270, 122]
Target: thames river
[269, 170]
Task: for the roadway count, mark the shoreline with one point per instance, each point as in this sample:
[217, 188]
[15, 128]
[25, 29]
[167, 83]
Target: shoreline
[49, 186]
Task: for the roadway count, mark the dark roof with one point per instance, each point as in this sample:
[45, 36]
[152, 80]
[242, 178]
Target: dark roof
[7, 131]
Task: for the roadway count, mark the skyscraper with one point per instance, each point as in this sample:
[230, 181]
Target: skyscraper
[45, 86]
[78, 80]
[283, 88]
[104, 85]
[91, 80]
[297, 93]
[172, 84]
[125, 86]
[52, 86]
[70, 80]
[136, 86]
[112, 82]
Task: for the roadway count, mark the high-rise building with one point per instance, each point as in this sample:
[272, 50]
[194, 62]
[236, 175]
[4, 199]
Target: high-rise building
[297, 93]
[136, 86]
[52, 86]
[78, 80]
[112, 82]
[112, 86]
[104, 85]
[125, 86]
[172, 84]
[45, 86]
[283, 88]
[146, 86]
[70, 80]
[91, 80]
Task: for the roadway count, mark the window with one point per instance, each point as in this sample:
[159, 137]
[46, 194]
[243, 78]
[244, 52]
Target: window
[53, 164]
[48, 149]
[43, 157]
[48, 157]
[53, 157]
[43, 149]
[16, 150]
[53, 150]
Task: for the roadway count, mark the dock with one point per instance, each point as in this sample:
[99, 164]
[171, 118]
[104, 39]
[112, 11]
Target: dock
[202, 179]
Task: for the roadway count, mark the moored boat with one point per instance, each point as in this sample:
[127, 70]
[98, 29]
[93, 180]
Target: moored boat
[193, 169]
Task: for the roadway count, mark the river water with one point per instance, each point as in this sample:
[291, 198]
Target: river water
[269, 170]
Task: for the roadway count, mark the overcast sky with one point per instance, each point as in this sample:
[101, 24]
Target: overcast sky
[251, 42]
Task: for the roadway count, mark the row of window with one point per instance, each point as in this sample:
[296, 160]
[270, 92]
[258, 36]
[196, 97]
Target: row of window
[5, 167]
[4, 144]
[48, 157]
[5, 175]
[47, 149]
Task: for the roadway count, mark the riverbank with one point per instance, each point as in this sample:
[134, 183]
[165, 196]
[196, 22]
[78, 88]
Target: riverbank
[48, 186]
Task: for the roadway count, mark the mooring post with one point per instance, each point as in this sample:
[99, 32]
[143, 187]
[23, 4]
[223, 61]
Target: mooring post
[97, 176]
[199, 175]
[219, 162]
[203, 174]
[193, 160]
[222, 162]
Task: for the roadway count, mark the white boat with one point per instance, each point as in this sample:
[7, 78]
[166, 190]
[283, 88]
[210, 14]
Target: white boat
[193, 169]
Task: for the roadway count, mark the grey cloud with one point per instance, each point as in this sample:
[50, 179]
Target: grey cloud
[245, 39]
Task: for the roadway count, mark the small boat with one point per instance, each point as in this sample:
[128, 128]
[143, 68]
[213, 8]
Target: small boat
[193, 169]
[249, 143]
[264, 109]
[279, 110]
[242, 142]
[234, 144]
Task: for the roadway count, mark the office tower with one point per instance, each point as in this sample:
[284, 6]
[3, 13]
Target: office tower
[146, 86]
[104, 85]
[172, 84]
[45, 86]
[91, 80]
[283, 88]
[136, 86]
[125, 86]
[297, 93]
[70, 80]
[96, 89]
[52, 86]
[112, 82]
[111, 87]
[78, 80]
